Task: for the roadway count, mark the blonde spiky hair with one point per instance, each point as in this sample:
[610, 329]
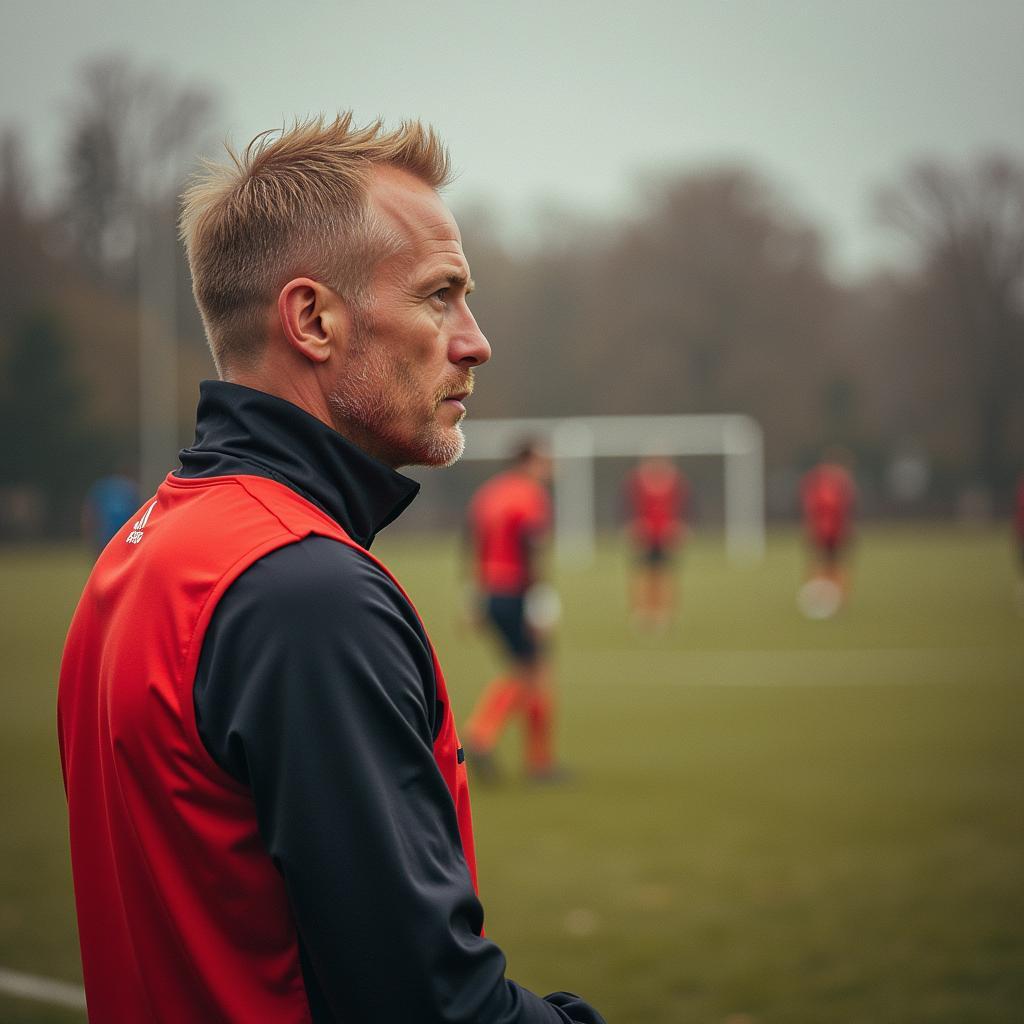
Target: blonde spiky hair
[293, 204]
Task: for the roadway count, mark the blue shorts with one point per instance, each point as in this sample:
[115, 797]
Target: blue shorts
[506, 613]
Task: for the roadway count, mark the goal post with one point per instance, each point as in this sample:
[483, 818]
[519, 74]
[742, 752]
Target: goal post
[576, 441]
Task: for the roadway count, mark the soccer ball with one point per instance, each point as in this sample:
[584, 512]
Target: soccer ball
[819, 598]
[543, 607]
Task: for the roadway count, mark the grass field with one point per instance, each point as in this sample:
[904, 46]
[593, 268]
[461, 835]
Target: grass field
[773, 821]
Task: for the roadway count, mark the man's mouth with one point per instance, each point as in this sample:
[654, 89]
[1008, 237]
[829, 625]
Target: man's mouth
[456, 399]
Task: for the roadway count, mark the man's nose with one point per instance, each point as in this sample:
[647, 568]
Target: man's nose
[468, 346]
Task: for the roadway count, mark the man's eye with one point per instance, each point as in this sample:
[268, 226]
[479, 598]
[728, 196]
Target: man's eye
[441, 295]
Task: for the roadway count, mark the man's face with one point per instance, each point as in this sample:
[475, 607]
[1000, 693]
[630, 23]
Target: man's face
[399, 395]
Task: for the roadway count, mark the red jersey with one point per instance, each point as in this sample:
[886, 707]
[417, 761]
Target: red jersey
[183, 915]
[507, 516]
[657, 503]
[828, 494]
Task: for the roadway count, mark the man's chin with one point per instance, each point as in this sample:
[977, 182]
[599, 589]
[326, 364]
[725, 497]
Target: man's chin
[445, 449]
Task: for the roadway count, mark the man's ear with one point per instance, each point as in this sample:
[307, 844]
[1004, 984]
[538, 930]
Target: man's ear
[314, 319]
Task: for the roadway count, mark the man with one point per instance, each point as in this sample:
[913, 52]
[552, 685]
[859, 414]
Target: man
[657, 494]
[509, 519]
[268, 807]
[828, 495]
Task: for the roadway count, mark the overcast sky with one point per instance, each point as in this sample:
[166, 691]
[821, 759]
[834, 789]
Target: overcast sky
[570, 100]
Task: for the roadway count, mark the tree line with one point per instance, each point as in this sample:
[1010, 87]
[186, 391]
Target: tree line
[714, 295]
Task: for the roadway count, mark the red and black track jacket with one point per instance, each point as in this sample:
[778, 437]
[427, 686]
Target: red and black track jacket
[268, 809]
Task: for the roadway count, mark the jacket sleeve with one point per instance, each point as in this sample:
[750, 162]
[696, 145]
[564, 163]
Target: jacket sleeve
[316, 689]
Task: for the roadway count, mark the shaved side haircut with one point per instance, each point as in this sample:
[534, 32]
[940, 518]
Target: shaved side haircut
[293, 204]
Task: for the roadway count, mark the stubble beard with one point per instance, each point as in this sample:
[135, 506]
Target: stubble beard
[368, 409]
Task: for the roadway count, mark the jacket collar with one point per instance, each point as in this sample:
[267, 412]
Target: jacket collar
[241, 431]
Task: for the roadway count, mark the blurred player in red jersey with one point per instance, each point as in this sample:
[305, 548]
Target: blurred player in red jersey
[657, 495]
[509, 522]
[828, 496]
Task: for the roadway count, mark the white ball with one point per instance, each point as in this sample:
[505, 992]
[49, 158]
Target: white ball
[819, 598]
[543, 606]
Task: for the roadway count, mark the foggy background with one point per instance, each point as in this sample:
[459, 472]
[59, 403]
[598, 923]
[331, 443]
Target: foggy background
[809, 213]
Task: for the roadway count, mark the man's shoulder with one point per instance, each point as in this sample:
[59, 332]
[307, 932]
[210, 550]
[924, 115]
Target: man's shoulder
[317, 573]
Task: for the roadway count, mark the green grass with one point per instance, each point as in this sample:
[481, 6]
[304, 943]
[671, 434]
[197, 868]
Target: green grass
[773, 821]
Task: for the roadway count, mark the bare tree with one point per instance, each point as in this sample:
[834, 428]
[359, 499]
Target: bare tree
[967, 227]
[716, 298]
[133, 135]
[21, 256]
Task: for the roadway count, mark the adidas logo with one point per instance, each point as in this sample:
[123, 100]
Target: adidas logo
[136, 535]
